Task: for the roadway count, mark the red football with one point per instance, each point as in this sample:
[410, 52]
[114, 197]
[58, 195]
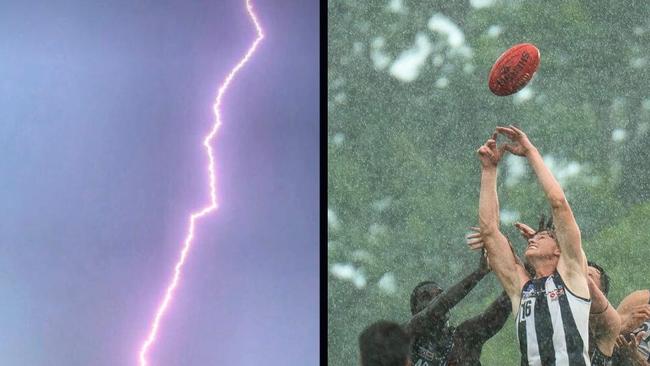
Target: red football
[513, 69]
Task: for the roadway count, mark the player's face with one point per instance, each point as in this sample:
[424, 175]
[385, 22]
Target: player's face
[427, 295]
[595, 276]
[542, 244]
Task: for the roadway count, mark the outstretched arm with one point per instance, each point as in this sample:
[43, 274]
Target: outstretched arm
[502, 260]
[437, 308]
[603, 319]
[566, 228]
[482, 327]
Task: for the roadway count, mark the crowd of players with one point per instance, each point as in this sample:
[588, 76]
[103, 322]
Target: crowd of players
[558, 297]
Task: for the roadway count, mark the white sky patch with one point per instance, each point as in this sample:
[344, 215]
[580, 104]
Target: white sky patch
[643, 128]
[469, 68]
[338, 140]
[357, 48]
[333, 220]
[464, 51]
[438, 60]
[523, 95]
[387, 283]
[562, 171]
[638, 30]
[516, 170]
[638, 62]
[396, 6]
[442, 24]
[336, 83]
[347, 272]
[478, 4]
[382, 204]
[645, 104]
[442, 83]
[494, 31]
[408, 64]
[550, 162]
[362, 256]
[618, 135]
[508, 216]
[376, 229]
[380, 59]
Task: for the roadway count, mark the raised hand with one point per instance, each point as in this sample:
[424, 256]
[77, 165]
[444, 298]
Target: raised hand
[474, 240]
[489, 154]
[520, 144]
[526, 231]
[629, 348]
[635, 318]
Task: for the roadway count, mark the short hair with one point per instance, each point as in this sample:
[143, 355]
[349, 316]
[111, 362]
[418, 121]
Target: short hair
[384, 343]
[416, 291]
[604, 278]
[546, 225]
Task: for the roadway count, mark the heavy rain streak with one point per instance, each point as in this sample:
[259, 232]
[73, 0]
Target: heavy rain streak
[408, 106]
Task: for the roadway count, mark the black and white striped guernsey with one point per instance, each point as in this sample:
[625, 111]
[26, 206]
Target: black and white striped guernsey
[552, 324]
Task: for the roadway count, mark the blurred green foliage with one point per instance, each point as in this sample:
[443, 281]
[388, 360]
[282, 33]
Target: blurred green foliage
[403, 178]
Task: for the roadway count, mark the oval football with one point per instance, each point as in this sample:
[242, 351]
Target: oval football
[513, 69]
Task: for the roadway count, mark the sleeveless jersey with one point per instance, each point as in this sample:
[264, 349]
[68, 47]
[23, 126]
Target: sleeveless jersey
[552, 324]
[432, 349]
[598, 358]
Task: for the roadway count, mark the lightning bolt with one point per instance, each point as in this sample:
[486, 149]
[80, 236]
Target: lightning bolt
[169, 293]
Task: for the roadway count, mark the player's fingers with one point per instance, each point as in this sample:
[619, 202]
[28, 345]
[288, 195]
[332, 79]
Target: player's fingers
[475, 228]
[509, 148]
[501, 149]
[642, 310]
[520, 228]
[644, 314]
[491, 144]
[474, 241]
[517, 130]
[639, 336]
[509, 133]
[524, 226]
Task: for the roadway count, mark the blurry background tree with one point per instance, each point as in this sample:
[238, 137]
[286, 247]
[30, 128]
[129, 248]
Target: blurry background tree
[408, 105]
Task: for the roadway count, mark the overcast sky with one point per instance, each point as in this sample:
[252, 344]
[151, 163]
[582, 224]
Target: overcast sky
[103, 106]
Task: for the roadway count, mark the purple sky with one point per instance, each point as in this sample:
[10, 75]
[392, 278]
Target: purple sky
[103, 106]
